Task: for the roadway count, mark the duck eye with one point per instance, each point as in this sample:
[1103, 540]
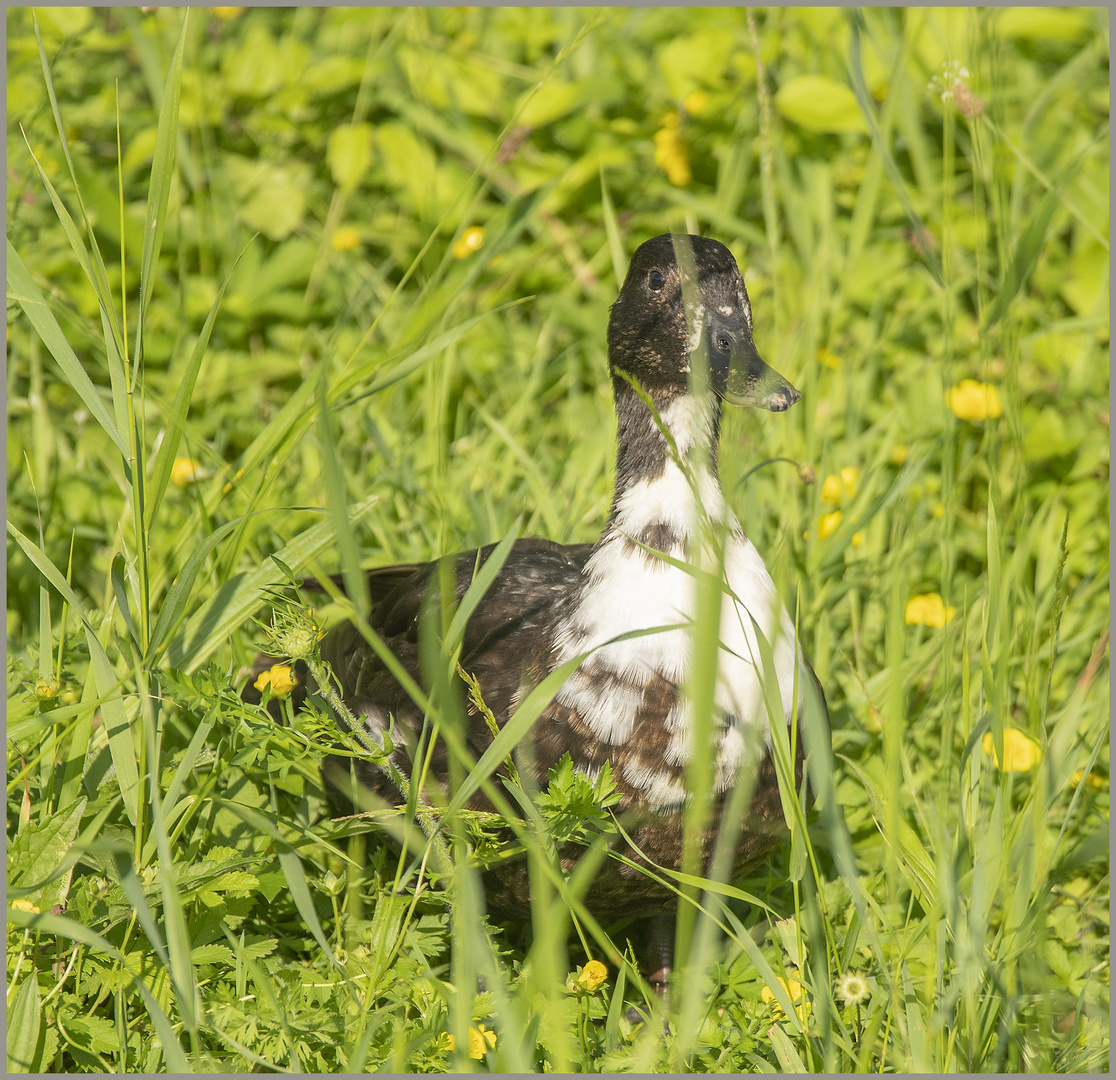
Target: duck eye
[656, 280]
[723, 344]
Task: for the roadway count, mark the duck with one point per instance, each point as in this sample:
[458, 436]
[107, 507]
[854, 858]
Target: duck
[680, 348]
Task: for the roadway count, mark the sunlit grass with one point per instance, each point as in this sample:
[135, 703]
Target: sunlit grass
[354, 379]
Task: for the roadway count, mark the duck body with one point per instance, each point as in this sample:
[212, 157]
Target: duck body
[550, 603]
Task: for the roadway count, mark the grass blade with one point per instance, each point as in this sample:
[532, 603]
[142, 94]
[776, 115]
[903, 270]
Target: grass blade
[24, 290]
[612, 231]
[856, 77]
[1025, 256]
[162, 171]
[91, 262]
[337, 501]
[119, 729]
[60, 926]
[164, 462]
[174, 604]
[239, 596]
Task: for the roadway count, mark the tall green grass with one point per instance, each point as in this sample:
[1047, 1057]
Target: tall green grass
[180, 288]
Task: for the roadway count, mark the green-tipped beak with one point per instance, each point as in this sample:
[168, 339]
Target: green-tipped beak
[740, 375]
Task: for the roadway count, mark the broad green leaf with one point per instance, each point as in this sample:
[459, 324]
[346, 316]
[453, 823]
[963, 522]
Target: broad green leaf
[349, 154]
[819, 103]
[40, 848]
[23, 1026]
[549, 102]
[60, 22]
[278, 205]
[1042, 24]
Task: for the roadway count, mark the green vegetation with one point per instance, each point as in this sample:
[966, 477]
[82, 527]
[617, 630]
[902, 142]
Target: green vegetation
[302, 289]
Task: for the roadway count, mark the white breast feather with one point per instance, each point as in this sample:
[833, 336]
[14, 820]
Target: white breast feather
[626, 589]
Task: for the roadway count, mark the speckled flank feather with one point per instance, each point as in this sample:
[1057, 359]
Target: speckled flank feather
[627, 589]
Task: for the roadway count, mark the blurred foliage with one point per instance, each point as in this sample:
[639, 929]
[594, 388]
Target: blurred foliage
[369, 180]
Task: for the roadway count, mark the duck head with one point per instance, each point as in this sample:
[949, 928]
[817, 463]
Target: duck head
[656, 340]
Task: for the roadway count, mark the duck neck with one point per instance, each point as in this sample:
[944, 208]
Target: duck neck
[652, 492]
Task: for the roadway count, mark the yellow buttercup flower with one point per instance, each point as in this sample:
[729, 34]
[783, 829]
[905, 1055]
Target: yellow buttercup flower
[186, 470]
[899, 455]
[345, 239]
[279, 677]
[25, 905]
[972, 400]
[827, 524]
[857, 539]
[479, 1036]
[794, 991]
[828, 358]
[468, 242]
[227, 12]
[1094, 780]
[837, 487]
[928, 610]
[592, 975]
[1021, 752]
[697, 101]
[671, 153]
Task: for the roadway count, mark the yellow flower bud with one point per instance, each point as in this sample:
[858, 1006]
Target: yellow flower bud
[671, 153]
[346, 239]
[45, 688]
[697, 101]
[827, 524]
[469, 241]
[1021, 752]
[831, 490]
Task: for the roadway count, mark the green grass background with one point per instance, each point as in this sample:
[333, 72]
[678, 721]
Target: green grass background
[277, 195]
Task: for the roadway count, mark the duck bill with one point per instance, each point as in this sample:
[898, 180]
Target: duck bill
[750, 380]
